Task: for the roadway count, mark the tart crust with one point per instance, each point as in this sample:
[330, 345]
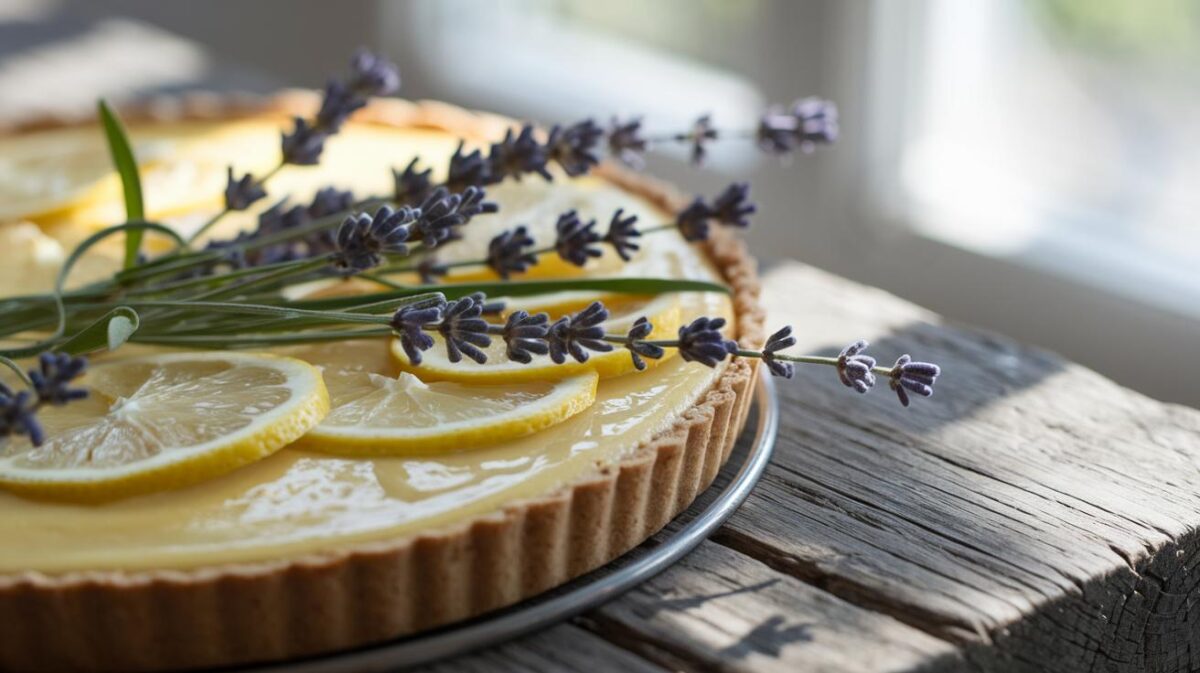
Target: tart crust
[367, 593]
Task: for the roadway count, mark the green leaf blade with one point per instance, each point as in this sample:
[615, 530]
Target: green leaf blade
[131, 181]
[109, 332]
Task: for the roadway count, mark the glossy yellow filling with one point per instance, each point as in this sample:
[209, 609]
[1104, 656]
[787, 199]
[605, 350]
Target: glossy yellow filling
[298, 502]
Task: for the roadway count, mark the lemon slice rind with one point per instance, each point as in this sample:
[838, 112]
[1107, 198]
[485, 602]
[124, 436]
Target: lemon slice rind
[565, 399]
[265, 434]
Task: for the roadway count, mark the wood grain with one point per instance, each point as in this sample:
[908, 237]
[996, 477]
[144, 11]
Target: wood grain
[1033, 516]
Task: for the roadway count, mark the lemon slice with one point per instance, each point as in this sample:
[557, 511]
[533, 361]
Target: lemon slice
[375, 413]
[165, 421]
[662, 311]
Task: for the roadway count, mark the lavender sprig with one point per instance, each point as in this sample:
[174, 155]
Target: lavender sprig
[370, 75]
[577, 336]
[514, 251]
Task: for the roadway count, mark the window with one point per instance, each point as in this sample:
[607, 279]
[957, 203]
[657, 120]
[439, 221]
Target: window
[1063, 134]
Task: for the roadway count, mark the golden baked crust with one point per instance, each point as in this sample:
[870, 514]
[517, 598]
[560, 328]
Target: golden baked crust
[322, 602]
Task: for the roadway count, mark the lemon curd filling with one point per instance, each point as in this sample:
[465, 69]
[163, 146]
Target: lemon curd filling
[297, 502]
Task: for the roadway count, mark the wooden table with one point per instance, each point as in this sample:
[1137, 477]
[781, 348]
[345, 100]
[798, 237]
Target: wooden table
[1032, 516]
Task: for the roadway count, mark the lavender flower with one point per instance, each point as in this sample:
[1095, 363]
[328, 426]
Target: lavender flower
[509, 252]
[525, 336]
[363, 240]
[778, 341]
[638, 347]
[701, 341]
[487, 307]
[441, 212]
[373, 75]
[411, 186]
[692, 221]
[621, 232]
[854, 368]
[577, 334]
[818, 122]
[464, 330]
[337, 104]
[626, 143]
[467, 170]
[241, 193]
[303, 146]
[576, 242]
[429, 269]
[809, 122]
[410, 323]
[516, 155]
[18, 415]
[731, 207]
[573, 147]
[702, 133]
[51, 380]
[776, 132]
[915, 377]
[330, 201]
[50, 386]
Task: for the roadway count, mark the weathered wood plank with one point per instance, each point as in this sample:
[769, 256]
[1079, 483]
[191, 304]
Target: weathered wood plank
[1036, 513]
[562, 649]
[720, 610]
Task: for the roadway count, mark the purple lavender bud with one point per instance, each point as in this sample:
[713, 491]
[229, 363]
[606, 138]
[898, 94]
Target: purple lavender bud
[778, 341]
[693, 220]
[777, 131]
[731, 207]
[525, 336]
[854, 368]
[621, 232]
[626, 143]
[817, 122]
[701, 341]
[429, 269]
[411, 186]
[509, 252]
[516, 155]
[577, 240]
[54, 374]
[363, 240]
[915, 377]
[241, 193]
[410, 323]
[474, 203]
[372, 74]
[464, 330]
[442, 212]
[573, 147]
[638, 348]
[18, 416]
[486, 307]
[303, 146]
[578, 334]
[702, 133]
[337, 104]
[467, 170]
[330, 201]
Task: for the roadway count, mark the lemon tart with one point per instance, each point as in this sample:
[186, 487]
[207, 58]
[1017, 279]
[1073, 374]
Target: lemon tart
[308, 550]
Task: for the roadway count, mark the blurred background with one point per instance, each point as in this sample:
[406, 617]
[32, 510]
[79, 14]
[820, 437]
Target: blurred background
[1028, 166]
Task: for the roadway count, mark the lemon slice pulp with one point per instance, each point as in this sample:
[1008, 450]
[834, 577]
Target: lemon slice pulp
[374, 413]
[663, 312]
[165, 421]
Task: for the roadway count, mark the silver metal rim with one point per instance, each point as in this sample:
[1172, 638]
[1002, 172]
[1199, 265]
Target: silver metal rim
[579, 595]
